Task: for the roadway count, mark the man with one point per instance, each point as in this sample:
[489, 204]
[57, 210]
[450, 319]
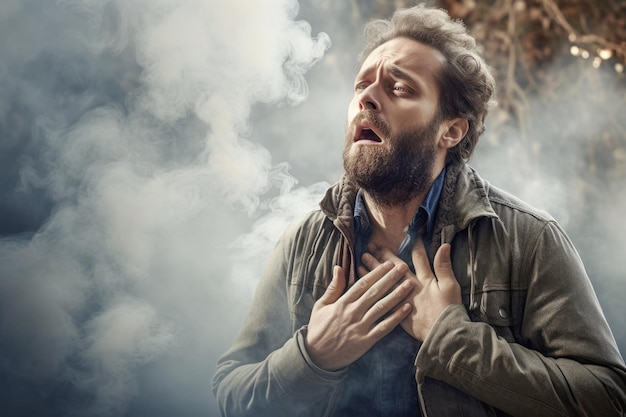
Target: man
[418, 288]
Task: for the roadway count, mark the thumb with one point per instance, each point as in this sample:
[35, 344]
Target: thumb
[336, 287]
[445, 275]
[443, 263]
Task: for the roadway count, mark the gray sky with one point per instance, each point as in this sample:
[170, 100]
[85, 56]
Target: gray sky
[152, 152]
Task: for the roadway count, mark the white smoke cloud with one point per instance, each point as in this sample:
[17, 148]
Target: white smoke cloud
[255, 246]
[131, 273]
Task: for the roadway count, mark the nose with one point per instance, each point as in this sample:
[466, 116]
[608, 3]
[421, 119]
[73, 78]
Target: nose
[369, 98]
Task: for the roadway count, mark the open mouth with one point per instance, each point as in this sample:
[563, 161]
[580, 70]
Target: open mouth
[364, 133]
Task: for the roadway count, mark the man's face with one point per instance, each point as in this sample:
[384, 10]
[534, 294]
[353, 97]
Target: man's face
[394, 128]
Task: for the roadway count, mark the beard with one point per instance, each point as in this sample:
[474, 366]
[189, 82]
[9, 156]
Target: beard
[397, 171]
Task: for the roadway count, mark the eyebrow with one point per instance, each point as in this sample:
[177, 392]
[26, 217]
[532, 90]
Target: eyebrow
[414, 81]
[395, 71]
[398, 73]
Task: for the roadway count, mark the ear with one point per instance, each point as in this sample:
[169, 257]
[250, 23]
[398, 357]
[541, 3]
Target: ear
[455, 131]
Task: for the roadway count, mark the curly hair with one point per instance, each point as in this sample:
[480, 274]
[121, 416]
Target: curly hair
[465, 81]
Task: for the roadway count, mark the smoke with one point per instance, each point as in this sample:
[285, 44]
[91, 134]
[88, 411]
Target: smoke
[120, 298]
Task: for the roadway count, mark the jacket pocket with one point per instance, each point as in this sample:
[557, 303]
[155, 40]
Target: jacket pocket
[496, 309]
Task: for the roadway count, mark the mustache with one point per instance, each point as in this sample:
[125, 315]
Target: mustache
[373, 119]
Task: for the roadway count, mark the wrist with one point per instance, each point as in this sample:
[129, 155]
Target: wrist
[313, 358]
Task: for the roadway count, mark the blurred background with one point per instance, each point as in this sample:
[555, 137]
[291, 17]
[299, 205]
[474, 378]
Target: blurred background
[152, 151]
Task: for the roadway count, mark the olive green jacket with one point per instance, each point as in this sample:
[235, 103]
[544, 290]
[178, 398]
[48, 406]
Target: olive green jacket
[530, 339]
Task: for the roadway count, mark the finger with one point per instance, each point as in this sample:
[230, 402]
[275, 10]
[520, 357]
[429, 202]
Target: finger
[362, 271]
[386, 325]
[335, 288]
[382, 254]
[367, 281]
[420, 260]
[443, 267]
[443, 263]
[382, 288]
[389, 302]
[370, 261]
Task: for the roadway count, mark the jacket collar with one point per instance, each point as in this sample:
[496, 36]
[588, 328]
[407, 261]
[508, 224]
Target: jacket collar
[464, 198]
[338, 202]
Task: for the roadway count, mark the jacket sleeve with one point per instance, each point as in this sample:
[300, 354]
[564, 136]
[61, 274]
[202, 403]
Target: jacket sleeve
[567, 362]
[267, 371]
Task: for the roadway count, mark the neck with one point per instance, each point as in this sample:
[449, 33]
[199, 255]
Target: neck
[389, 222]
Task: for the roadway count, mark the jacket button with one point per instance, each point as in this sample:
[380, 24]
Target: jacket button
[503, 313]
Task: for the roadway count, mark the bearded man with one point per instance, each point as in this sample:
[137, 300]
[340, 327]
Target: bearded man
[417, 288]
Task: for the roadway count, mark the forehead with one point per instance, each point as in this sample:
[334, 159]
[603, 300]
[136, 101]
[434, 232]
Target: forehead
[413, 57]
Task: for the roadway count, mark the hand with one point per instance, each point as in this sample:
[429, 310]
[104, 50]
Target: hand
[432, 293]
[343, 327]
